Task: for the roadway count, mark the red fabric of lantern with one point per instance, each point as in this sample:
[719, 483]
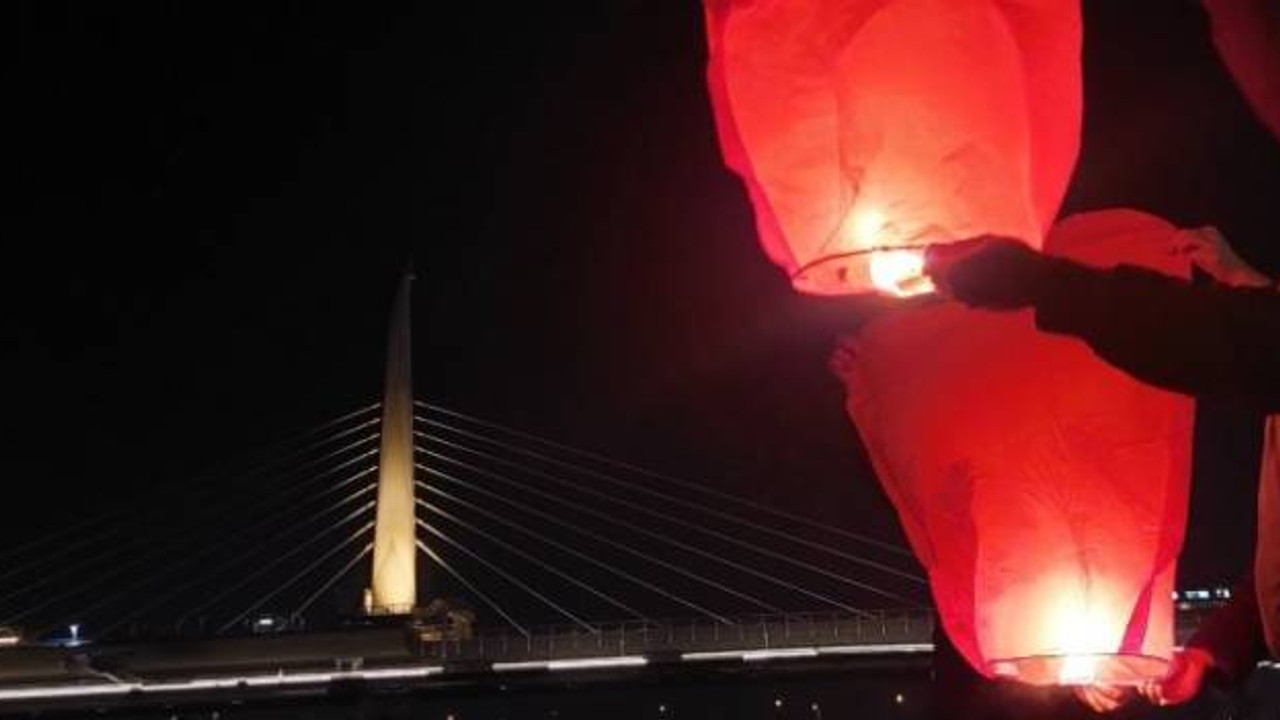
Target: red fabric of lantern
[866, 129]
[1044, 491]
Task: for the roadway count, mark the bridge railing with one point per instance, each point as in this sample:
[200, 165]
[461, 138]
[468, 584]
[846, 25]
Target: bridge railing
[751, 633]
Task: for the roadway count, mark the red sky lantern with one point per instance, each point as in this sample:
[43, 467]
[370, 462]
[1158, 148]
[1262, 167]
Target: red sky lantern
[866, 129]
[1044, 491]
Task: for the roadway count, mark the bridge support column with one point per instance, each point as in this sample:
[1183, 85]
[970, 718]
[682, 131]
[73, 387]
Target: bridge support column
[394, 578]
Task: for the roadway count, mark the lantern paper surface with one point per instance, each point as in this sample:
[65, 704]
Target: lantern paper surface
[866, 129]
[1044, 491]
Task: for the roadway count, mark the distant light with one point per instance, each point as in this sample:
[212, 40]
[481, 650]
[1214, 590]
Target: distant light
[757, 655]
[214, 683]
[814, 707]
[777, 702]
[899, 699]
[876, 649]
[662, 709]
[593, 663]
[75, 631]
[803, 652]
[573, 664]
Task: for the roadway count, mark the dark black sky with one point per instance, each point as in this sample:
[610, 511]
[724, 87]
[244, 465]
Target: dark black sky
[212, 205]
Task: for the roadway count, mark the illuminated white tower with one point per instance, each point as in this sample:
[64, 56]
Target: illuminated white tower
[394, 578]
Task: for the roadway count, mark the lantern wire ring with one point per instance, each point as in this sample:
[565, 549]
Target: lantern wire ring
[853, 254]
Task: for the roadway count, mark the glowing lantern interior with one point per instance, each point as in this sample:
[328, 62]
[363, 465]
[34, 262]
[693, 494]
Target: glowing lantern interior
[1044, 491]
[866, 129]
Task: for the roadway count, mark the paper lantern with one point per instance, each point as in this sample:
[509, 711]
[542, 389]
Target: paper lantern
[866, 129]
[1044, 491]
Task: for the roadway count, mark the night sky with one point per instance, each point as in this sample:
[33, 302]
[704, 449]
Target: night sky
[213, 204]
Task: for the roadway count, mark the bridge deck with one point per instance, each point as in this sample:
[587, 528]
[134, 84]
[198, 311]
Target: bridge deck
[393, 656]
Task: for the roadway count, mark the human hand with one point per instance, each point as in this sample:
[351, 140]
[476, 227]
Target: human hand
[1103, 698]
[1183, 681]
[988, 272]
[1209, 250]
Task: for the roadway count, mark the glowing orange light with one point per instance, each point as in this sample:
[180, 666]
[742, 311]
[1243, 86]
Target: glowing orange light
[900, 272]
[894, 271]
[1082, 638]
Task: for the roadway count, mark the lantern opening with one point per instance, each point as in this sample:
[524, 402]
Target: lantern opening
[1082, 640]
[1082, 669]
[1078, 670]
[898, 272]
[894, 271]
[877, 260]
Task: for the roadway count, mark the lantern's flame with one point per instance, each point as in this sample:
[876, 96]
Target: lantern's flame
[900, 272]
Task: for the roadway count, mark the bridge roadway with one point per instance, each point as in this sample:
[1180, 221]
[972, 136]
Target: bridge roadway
[391, 656]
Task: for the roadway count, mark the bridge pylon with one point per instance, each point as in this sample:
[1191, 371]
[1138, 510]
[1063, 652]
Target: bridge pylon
[393, 584]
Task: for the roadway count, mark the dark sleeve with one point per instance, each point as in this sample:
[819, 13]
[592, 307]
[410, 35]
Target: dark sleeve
[1233, 634]
[1204, 340]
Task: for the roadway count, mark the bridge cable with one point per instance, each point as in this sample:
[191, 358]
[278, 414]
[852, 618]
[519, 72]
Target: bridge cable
[116, 596]
[296, 549]
[698, 487]
[296, 577]
[207, 575]
[440, 512]
[306, 604]
[509, 577]
[659, 537]
[753, 547]
[155, 541]
[468, 585]
[175, 525]
[567, 549]
[683, 572]
[105, 535]
[204, 478]
[682, 502]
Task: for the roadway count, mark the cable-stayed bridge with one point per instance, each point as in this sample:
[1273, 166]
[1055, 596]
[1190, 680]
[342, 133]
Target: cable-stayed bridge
[534, 555]
[406, 547]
